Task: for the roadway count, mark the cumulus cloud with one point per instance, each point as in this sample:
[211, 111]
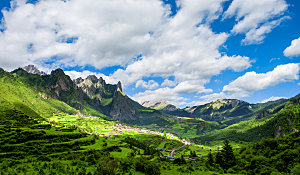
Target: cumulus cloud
[256, 18]
[256, 36]
[168, 82]
[252, 81]
[272, 99]
[293, 49]
[104, 33]
[187, 51]
[172, 95]
[107, 33]
[75, 74]
[166, 93]
[151, 84]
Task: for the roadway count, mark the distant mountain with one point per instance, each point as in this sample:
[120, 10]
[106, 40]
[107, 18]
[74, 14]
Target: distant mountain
[33, 70]
[160, 105]
[229, 111]
[166, 108]
[272, 119]
[225, 111]
[220, 110]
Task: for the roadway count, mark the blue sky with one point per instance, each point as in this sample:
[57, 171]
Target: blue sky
[186, 52]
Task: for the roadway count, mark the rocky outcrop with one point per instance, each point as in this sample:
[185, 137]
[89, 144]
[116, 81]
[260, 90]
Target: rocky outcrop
[60, 82]
[119, 86]
[122, 109]
[232, 103]
[111, 99]
[92, 86]
[33, 70]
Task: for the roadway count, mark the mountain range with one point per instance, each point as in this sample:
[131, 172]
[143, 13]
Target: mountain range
[93, 96]
[51, 124]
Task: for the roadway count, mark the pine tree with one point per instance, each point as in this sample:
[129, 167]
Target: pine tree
[228, 157]
[219, 158]
[210, 160]
[193, 154]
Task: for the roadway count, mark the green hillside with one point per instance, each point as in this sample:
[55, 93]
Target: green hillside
[284, 121]
[231, 111]
[17, 95]
[70, 145]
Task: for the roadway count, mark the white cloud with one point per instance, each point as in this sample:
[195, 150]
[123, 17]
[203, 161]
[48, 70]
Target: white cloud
[257, 35]
[108, 33]
[272, 99]
[256, 18]
[172, 95]
[293, 49]
[168, 82]
[252, 81]
[74, 75]
[167, 94]
[151, 84]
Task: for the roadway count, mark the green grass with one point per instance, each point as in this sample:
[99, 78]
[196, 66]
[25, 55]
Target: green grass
[188, 128]
[24, 98]
[106, 101]
[161, 107]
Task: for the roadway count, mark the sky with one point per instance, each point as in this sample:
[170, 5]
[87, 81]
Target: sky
[187, 52]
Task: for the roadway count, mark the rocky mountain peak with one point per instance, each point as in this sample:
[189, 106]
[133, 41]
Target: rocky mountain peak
[92, 78]
[33, 70]
[78, 80]
[58, 73]
[60, 81]
[119, 85]
[102, 81]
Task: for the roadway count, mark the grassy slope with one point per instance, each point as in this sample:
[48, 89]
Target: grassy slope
[23, 98]
[287, 118]
[31, 146]
[188, 128]
[19, 92]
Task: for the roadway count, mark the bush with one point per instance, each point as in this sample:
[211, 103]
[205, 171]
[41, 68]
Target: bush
[146, 166]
